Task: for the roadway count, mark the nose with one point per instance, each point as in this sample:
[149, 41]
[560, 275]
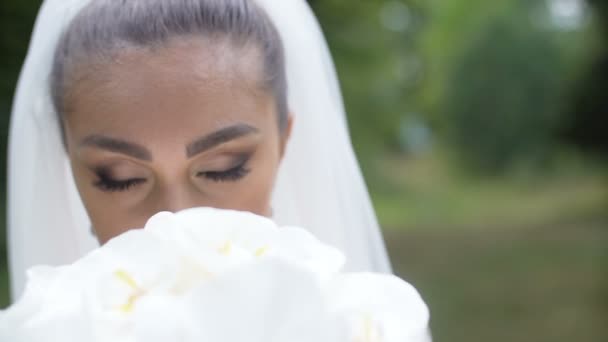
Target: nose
[177, 198]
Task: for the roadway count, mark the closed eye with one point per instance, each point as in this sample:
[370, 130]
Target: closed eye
[107, 183]
[112, 185]
[234, 174]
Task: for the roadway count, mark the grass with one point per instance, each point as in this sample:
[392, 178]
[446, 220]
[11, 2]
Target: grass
[427, 193]
[517, 258]
[546, 283]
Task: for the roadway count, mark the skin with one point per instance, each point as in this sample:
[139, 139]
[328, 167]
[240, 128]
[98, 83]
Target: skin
[145, 136]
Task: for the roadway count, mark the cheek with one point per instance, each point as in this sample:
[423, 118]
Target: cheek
[108, 217]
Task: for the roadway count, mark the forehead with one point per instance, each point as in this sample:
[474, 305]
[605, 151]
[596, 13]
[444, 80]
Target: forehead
[187, 81]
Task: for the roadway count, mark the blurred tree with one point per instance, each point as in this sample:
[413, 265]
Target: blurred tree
[588, 125]
[449, 27]
[373, 44]
[502, 99]
[16, 21]
[500, 77]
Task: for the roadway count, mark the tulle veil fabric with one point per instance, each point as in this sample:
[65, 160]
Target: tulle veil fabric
[319, 185]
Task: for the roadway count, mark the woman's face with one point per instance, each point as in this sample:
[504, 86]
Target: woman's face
[182, 126]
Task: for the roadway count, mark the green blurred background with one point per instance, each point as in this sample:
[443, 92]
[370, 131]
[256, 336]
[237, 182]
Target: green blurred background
[482, 130]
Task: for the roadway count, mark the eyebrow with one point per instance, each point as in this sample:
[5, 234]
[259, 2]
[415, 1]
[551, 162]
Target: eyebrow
[117, 145]
[198, 146]
[217, 138]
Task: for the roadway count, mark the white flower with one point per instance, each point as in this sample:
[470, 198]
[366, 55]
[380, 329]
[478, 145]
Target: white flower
[376, 308]
[228, 238]
[213, 275]
[269, 301]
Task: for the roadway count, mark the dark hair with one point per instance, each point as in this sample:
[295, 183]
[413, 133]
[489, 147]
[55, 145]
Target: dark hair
[106, 27]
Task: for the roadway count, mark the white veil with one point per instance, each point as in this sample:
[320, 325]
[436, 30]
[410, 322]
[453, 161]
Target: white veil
[319, 186]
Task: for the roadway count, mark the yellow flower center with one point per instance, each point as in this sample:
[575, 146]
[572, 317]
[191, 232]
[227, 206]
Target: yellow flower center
[371, 332]
[138, 292]
[226, 248]
[261, 251]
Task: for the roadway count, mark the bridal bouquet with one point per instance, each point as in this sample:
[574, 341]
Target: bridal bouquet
[209, 275]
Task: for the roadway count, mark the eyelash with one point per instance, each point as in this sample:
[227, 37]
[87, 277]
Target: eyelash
[233, 174]
[107, 184]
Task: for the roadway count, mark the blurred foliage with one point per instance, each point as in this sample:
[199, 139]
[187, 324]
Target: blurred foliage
[16, 22]
[500, 82]
[588, 122]
[373, 45]
[502, 99]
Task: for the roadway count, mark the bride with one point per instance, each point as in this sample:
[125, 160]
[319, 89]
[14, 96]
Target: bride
[127, 108]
